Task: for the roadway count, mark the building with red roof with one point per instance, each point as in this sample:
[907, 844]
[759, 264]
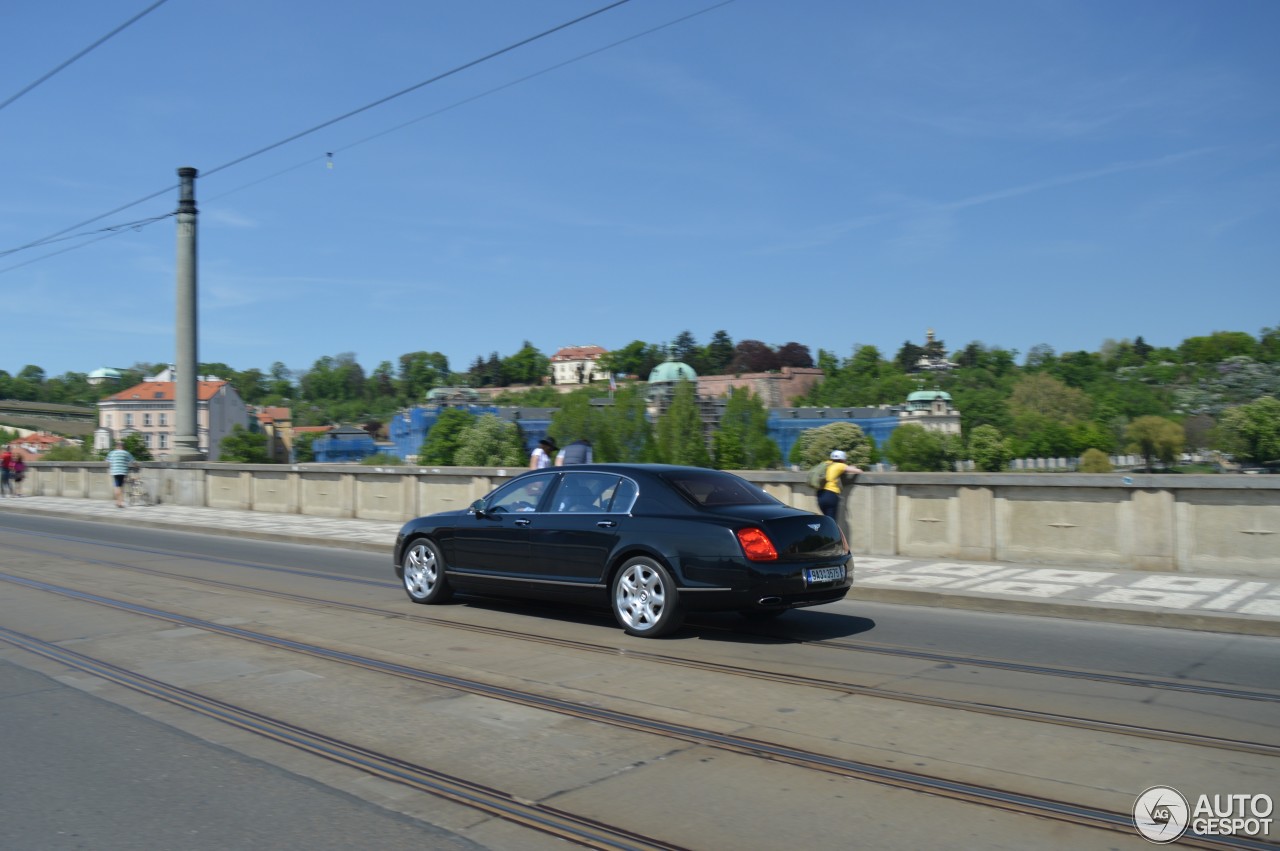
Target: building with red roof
[150, 409]
[577, 365]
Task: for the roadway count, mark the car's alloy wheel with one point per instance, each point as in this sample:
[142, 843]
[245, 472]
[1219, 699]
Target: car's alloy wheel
[423, 573]
[645, 600]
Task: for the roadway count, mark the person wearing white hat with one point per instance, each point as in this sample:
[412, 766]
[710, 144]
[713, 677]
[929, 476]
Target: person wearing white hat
[833, 478]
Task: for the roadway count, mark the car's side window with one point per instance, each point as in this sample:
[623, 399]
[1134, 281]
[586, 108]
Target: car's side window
[624, 496]
[583, 492]
[520, 496]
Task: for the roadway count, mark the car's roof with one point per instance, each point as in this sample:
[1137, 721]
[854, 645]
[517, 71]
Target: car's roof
[617, 467]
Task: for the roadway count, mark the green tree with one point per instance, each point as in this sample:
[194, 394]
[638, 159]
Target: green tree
[488, 441]
[628, 435]
[718, 354]
[280, 386]
[637, 358]
[1095, 461]
[1217, 347]
[915, 449]
[69, 452]
[382, 383]
[988, 450]
[136, 445]
[382, 459]
[1252, 431]
[576, 419]
[908, 356]
[303, 450]
[527, 366]
[445, 437]
[421, 372]
[742, 441]
[1040, 393]
[686, 350]
[244, 447]
[680, 436]
[1269, 345]
[817, 444]
[1155, 438]
[252, 385]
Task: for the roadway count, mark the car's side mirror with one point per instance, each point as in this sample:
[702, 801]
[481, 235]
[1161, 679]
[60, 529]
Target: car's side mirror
[477, 508]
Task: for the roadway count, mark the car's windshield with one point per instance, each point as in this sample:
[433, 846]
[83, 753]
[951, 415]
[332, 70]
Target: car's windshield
[710, 489]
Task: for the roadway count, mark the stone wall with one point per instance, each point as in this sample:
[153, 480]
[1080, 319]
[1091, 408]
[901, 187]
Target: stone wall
[1224, 523]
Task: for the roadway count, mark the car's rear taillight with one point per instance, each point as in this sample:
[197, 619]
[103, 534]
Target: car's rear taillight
[756, 545]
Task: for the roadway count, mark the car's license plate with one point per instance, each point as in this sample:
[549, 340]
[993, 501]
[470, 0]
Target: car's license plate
[825, 574]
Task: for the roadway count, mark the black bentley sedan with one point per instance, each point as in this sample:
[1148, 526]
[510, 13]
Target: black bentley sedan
[649, 540]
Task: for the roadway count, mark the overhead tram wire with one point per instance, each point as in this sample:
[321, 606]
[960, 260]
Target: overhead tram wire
[117, 229]
[97, 43]
[417, 86]
[471, 99]
[102, 233]
[330, 122]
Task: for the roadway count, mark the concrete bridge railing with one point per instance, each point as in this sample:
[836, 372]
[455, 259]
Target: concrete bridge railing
[1226, 524]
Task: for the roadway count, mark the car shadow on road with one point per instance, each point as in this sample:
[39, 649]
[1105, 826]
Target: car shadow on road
[794, 626]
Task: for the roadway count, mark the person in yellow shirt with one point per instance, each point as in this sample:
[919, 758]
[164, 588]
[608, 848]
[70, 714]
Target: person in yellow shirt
[829, 496]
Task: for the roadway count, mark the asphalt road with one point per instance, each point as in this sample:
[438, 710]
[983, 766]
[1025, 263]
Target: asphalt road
[101, 769]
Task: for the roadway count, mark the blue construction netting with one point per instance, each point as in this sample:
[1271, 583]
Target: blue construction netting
[785, 431]
[335, 451]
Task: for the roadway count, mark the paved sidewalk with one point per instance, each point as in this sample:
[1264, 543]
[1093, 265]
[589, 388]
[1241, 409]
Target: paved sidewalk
[1218, 602]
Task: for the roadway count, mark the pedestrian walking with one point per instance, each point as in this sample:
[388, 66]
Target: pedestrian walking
[578, 452]
[833, 480]
[6, 472]
[19, 472]
[118, 460]
[542, 454]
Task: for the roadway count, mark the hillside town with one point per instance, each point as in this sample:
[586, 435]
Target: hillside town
[938, 394]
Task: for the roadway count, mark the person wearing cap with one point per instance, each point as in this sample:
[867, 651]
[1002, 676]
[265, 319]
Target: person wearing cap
[542, 454]
[829, 496]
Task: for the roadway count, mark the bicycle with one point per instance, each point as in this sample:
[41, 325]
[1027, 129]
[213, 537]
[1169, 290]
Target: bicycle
[135, 490]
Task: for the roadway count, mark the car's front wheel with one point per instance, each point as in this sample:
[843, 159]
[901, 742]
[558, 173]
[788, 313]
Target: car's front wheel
[422, 569]
[645, 600]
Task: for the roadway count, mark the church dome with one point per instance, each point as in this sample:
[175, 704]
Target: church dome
[672, 371]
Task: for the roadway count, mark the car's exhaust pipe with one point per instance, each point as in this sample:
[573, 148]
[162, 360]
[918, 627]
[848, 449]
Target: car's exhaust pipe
[769, 601]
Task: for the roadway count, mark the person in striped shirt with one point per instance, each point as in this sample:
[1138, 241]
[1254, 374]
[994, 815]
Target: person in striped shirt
[118, 460]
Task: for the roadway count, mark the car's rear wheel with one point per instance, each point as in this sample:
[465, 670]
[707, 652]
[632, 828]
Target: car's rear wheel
[422, 570]
[645, 600]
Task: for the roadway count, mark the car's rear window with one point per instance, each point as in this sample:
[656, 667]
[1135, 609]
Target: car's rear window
[710, 489]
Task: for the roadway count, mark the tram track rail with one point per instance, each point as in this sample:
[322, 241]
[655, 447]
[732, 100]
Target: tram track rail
[498, 803]
[986, 796]
[581, 831]
[1106, 677]
[839, 686]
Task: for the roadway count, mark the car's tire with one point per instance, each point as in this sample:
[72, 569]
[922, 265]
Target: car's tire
[422, 571]
[645, 600]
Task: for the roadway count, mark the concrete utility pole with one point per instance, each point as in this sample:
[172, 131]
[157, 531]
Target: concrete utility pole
[186, 440]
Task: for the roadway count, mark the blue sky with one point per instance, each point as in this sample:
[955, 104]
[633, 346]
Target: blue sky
[830, 172]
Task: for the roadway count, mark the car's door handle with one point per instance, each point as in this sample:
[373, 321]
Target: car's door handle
[523, 521]
[607, 524]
